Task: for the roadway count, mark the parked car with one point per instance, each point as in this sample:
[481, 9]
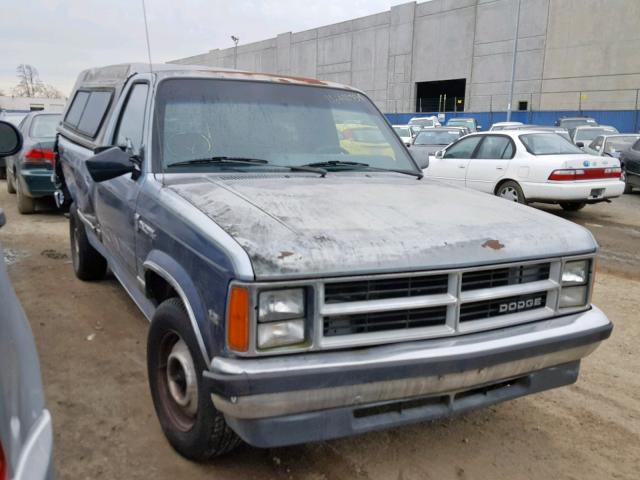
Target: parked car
[425, 122]
[582, 136]
[430, 140]
[611, 145]
[470, 123]
[29, 171]
[528, 166]
[405, 134]
[563, 132]
[296, 291]
[502, 125]
[26, 438]
[14, 118]
[630, 163]
[572, 122]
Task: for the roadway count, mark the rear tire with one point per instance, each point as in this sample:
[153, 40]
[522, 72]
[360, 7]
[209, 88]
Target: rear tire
[87, 262]
[511, 191]
[26, 204]
[11, 186]
[572, 206]
[3, 173]
[189, 420]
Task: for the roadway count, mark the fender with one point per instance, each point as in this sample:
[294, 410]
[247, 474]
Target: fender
[171, 271]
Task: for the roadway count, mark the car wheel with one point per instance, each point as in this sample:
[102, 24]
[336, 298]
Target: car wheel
[628, 188]
[3, 173]
[11, 186]
[26, 204]
[189, 420]
[511, 191]
[572, 206]
[87, 262]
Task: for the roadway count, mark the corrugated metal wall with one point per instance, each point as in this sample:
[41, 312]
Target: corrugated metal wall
[626, 121]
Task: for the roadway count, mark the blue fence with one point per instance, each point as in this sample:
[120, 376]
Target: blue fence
[626, 121]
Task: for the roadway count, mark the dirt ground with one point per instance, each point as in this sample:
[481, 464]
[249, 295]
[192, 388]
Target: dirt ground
[91, 340]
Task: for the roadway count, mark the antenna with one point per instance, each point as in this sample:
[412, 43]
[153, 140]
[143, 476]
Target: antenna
[146, 30]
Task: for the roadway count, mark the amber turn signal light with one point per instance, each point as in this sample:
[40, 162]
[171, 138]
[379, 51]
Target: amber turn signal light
[238, 320]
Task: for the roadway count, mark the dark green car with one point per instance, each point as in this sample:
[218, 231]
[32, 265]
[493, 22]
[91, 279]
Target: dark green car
[29, 171]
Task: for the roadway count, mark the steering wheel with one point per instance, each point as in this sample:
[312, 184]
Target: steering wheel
[188, 145]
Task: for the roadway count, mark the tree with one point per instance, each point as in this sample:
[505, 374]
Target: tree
[30, 85]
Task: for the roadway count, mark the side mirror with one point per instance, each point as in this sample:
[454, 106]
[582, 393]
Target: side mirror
[439, 154]
[580, 144]
[423, 162]
[109, 164]
[10, 139]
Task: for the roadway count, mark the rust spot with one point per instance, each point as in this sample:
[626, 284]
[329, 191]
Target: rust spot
[494, 244]
[284, 255]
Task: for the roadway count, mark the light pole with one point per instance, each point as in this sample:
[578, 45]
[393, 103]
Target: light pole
[513, 64]
[235, 51]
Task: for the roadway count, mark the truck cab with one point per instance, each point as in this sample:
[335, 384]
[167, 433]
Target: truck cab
[301, 287]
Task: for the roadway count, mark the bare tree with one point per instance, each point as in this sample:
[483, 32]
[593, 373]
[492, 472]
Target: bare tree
[30, 85]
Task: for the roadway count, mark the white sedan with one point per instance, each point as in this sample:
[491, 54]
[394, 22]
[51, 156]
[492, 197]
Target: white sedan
[528, 166]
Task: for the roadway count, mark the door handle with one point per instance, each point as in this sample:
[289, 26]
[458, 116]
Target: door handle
[499, 168]
[462, 166]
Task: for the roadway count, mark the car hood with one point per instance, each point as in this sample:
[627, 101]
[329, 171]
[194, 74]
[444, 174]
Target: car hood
[301, 225]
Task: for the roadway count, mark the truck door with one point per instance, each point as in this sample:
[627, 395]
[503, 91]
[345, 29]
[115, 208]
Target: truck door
[489, 162]
[115, 200]
[452, 167]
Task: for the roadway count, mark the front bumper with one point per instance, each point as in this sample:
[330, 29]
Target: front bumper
[37, 181]
[299, 398]
[572, 191]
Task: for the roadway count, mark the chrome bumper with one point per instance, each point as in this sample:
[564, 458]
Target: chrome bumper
[251, 389]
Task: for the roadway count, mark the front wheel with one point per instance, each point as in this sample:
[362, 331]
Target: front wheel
[572, 206]
[627, 186]
[189, 420]
[87, 262]
[511, 191]
[11, 186]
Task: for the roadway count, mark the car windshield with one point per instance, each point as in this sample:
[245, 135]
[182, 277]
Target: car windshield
[577, 122]
[548, 144]
[403, 131]
[286, 125]
[461, 122]
[44, 126]
[613, 146]
[588, 134]
[436, 137]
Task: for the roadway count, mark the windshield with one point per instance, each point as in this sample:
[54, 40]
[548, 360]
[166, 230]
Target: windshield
[461, 122]
[436, 137]
[423, 122]
[402, 131]
[44, 126]
[584, 134]
[615, 145]
[577, 122]
[548, 144]
[286, 125]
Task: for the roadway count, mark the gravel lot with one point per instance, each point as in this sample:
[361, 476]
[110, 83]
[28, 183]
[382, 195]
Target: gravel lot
[91, 340]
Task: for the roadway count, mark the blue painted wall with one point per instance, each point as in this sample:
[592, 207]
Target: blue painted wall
[626, 121]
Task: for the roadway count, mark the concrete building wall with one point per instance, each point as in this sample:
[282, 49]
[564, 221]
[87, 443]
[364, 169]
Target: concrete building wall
[572, 54]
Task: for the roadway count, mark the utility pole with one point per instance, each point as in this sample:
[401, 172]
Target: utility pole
[513, 64]
[235, 51]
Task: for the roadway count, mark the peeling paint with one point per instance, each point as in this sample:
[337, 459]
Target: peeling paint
[494, 244]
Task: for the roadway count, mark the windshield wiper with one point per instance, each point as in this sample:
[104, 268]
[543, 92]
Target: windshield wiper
[345, 163]
[247, 161]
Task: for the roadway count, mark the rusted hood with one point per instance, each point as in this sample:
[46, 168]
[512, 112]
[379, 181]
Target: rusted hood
[351, 223]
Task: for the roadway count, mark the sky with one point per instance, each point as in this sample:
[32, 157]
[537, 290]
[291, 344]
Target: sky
[62, 37]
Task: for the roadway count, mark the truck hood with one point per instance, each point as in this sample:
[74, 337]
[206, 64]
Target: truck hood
[301, 225]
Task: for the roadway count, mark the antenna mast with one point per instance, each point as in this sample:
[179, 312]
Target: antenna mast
[146, 30]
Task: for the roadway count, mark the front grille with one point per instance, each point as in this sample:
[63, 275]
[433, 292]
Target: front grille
[500, 277]
[337, 325]
[364, 290]
[502, 306]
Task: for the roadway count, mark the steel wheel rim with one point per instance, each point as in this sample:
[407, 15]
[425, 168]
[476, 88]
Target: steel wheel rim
[509, 193]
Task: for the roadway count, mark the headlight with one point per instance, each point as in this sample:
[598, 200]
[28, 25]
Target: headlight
[277, 305]
[280, 334]
[575, 284]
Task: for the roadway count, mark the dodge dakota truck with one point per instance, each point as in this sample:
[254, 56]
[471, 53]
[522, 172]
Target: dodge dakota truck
[300, 287]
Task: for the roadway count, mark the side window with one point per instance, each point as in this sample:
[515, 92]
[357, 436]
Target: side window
[87, 111]
[464, 148]
[493, 147]
[131, 123]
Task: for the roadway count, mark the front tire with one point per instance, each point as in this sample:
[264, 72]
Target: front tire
[11, 186]
[87, 262]
[572, 206]
[511, 191]
[189, 420]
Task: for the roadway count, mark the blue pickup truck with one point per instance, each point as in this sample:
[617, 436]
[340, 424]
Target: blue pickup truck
[301, 284]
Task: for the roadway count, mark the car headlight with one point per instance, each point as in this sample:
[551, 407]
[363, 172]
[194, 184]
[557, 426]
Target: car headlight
[575, 283]
[281, 315]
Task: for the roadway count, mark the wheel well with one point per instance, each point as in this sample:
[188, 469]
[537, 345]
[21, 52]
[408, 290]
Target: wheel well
[502, 182]
[157, 288]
